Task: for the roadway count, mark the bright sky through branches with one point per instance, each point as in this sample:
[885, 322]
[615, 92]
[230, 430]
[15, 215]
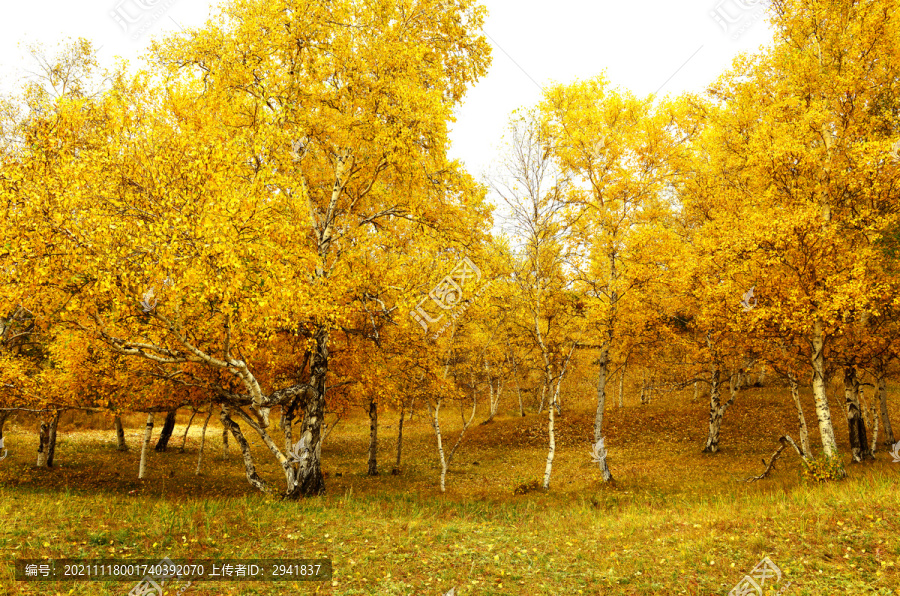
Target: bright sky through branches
[678, 45]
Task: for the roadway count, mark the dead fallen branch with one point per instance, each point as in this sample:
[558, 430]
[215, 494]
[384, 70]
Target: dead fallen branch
[785, 441]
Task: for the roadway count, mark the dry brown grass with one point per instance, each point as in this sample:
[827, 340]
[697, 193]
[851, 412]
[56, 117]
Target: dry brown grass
[674, 522]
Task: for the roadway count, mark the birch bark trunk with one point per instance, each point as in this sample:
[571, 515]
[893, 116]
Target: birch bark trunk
[121, 445]
[148, 432]
[373, 438]
[184, 438]
[434, 411]
[716, 407]
[881, 383]
[859, 445]
[601, 407]
[309, 470]
[870, 416]
[494, 395]
[823, 411]
[231, 426]
[460, 438]
[436, 424]
[512, 360]
[224, 443]
[288, 464]
[551, 424]
[801, 419]
[396, 469]
[43, 440]
[605, 474]
[551, 451]
[51, 442]
[715, 412]
[622, 387]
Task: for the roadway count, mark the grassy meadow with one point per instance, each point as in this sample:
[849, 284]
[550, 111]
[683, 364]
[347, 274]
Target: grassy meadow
[674, 522]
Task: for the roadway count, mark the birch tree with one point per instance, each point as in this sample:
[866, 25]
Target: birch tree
[533, 189]
[307, 131]
[615, 151]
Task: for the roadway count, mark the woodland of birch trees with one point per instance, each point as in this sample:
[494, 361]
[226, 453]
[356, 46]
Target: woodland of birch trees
[262, 224]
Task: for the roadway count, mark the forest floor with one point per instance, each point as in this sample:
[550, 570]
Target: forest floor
[675, 521]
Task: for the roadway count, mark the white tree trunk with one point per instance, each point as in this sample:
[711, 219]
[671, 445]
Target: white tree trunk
[495, 388]
[823, 411]
[184, 438]
[396, 469]
[621, 386]
[551, 451]
[551, 425]
[43, 444]
[801, 419]
[601, 407]
[292, 467]
[148, 431]
[436, 425]
[716, 407]
[230, 425]
[512, 360]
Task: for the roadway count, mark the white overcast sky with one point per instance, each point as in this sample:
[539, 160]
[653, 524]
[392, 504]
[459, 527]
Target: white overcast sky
[641, 44]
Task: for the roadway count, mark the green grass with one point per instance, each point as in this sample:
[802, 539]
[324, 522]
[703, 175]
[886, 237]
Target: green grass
[675, 522]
